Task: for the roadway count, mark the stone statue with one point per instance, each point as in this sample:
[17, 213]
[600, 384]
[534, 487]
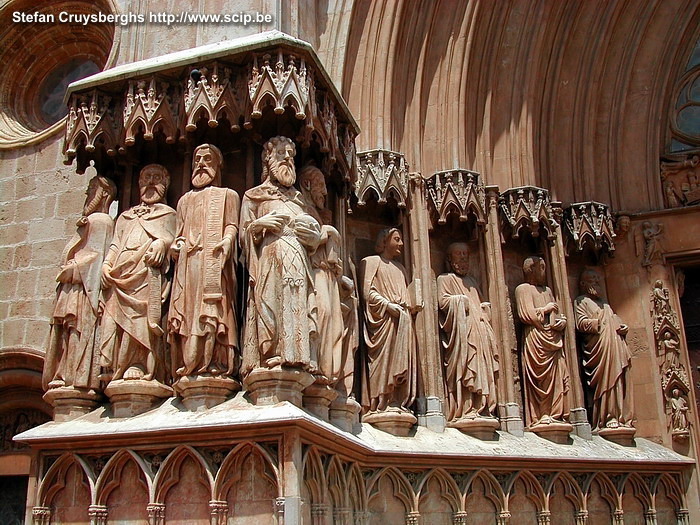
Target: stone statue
[669, 348]
[202, 327]
[349, 305]
[327, 270]
[546, 375]
[606, 356]
[469, 344]
[277, 237]
[389, 332]
[651, 234]
[679, 412]
[72, 356]
[134, 283]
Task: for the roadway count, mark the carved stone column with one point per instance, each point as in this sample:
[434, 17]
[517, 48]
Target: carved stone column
[279, 510]
[219, 512]
[97, 514]
[412, 518]
[682, 515]
[292, 479]
[502, 317]
[650, 517]
[430, 412]
[319, 513]
[41, 515]
[342, 516]
[459, 518]
[156, 513]
[581, 517]
[503, 518]
[578, 417]
[618, 517]
[544, 517]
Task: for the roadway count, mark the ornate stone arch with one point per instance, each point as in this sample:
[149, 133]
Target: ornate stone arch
[673, 491]
[168, 474]
[110, 477]
[608, 491]
[337, 483]
[639, 489]
[493, 491]
[356, 487]
[448, 489]
[315, 476]
[533, 490]
[230, 471]
[402, 488]
[55, 478]
[572, 491]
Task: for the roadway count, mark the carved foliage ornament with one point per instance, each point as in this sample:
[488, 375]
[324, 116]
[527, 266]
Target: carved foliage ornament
[590, 224]
[211, 94]
[282, 83]
[151, 106]
[91, 120]
[674, 376]
[382, 172]
[457, 191]
[528, 208]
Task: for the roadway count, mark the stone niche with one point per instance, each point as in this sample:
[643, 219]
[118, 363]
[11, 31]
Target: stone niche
[279, 439]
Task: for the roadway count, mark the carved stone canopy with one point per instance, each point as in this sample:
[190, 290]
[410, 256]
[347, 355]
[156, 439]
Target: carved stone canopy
[590, 224]
[528, 208]
[457, 191]
[384, 173]
[232, 81]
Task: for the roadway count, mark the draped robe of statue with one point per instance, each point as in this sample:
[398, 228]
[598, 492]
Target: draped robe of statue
[281, 313]
[349, 304]
[327, 268]
[470, 351]
[390, 341]
[546, 374]
[606, 360]
[204, 290]
[72, 354]
[132, 309]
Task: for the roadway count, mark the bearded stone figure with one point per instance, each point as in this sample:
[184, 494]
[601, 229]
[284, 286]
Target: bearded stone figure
[72, 357]
[327, 270]
[544, 366]
[202, 327]
[277, 237]
[607, 359]
[469, 344]
[389, 332]
[134, 283]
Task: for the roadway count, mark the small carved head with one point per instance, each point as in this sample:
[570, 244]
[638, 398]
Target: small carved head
[313, 182]
[206, 166]
[154, 180]
[278, 161]
[389, 243]
[458, 257]
[534, 270]
[100, 194]
[590, 283]
[623, 224]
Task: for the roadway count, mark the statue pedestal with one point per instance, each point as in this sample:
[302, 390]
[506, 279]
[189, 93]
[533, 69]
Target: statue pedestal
[620, 435]
[269, 386]
[344, 413]
[69, 402]
[478, 427]
[201, 392]
[134, 397]
[556, 432]
[317, 398]
[392, 420]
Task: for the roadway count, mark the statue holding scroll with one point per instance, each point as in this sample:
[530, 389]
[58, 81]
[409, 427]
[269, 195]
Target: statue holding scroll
[203, 332]
[469, 344]
[389, 332]
[71, 359]
[134, 283]
[546, 374]
[277, 237]
[607, 359]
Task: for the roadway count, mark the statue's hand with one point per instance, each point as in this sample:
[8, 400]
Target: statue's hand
[623, 329]
[105, 277]
[306, 235]
[272, 221]
[559, 324]
[224, 248]
[155, 255]
[552, 307]
[394, 309]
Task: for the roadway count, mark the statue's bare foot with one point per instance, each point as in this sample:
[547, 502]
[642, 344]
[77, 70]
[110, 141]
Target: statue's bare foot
[613, 423]
[148, 377]
[133, 373]
[273, 362]
[57, 383]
